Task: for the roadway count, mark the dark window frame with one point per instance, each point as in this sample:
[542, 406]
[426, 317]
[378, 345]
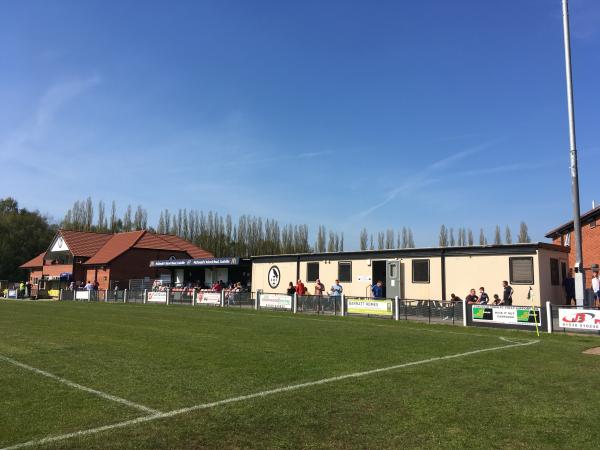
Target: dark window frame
[554, 272]
[563, 270]
[343, 279]
[510, 270]
[308, 272]
[428, 271]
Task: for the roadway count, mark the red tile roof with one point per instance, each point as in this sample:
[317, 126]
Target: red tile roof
[191, 249]
[121, 242]
[117, 245]
[38, 261]
[84, 243]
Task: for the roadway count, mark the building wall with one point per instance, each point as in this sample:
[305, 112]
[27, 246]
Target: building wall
[135, 264]
[590, 237]
[554, 294]
[462, 274]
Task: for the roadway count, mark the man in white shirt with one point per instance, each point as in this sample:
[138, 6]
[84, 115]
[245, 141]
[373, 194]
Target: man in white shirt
[336, 288]
[596, 288]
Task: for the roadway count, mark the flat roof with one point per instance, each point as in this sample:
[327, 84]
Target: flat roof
[502, 249]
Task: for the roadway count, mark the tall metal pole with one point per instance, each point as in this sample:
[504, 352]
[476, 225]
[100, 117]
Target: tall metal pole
[579, 271]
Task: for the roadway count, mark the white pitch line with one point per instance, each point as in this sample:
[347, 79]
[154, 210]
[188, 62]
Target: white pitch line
[72, 384]
[266, 393]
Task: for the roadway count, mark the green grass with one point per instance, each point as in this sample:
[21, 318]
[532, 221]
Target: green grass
[538, 396]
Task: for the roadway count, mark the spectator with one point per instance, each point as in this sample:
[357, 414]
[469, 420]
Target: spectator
[319, 288]
[300, 288]
[217, 287]
[507, 294]
[497, 300]
[454, 298]
[596, 288]
[569, 286]
[116, 287]
[96, 285]
[483, 297]
[377, 290]
[22, 289]
[89, 286]
[336, 289]
[28, 288]
[471, 298]
[291, 290]
[72, 286]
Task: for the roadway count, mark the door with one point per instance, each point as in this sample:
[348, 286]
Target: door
[394, 279]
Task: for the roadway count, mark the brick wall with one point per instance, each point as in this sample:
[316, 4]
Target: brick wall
[590, 237]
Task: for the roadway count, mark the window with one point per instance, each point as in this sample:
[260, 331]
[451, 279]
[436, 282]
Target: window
[593, 224]
[554, 277]
[420, 271]
[312, 271]
[345, 271]
[563, 270]
[521, 270]
[568, 240]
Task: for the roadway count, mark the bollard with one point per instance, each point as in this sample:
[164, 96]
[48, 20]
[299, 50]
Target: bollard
[396, 309]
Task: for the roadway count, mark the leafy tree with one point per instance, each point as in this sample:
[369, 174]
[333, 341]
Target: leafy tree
[443, 240]
[523, 234]
[363, 239]
[23, 235]
[497, 236]
[507, 235]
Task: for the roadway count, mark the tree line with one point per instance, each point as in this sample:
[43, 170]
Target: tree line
[464, 236]
[387, 239]
[220, 235]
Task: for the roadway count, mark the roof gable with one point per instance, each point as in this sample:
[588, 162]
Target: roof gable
[115, 246]
[84, 243]
[33, 263]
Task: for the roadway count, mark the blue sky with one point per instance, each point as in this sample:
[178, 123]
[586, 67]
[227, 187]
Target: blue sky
[349, 114]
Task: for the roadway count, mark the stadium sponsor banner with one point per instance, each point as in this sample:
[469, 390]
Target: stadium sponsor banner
[157, 297]
[82, 295]
[508, 315]
[13, 293]
[209, 298]
[370, 307]
[53, 292]
[277, 301]
[581, 319]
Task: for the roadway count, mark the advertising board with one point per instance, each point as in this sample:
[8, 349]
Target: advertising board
[508, 315]
[208, 298]
[368, 306]
[157, 297]
[13, 293]
[581, 319]
[276, 301]
[82, 295]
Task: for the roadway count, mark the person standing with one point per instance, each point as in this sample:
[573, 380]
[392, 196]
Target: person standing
[291, 290]
[377, 290]
[300, 288]
[483, 297]
[471, 298]
[596, 288]
[507, 293]
[319, 288]
[336, 289]
[569, 286]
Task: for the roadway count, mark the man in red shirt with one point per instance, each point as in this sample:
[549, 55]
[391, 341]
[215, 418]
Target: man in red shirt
[300, 288]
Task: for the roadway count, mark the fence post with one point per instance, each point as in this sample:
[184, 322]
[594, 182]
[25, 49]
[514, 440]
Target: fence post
[168, 294]
[124, 296]
[549, 316]
[342, 307]
[464, 308]
[145, 296]
[194, 297]
[256, 300]
[60, 295]
[295, 300]
[396, 311]
[429, 310]
[222, 299]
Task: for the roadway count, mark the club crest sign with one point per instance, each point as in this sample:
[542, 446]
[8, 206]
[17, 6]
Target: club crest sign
[274, 276]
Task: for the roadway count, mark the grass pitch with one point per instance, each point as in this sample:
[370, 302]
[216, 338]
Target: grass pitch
[168, 359]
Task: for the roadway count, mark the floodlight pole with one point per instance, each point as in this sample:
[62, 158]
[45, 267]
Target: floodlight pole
[579, 271]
